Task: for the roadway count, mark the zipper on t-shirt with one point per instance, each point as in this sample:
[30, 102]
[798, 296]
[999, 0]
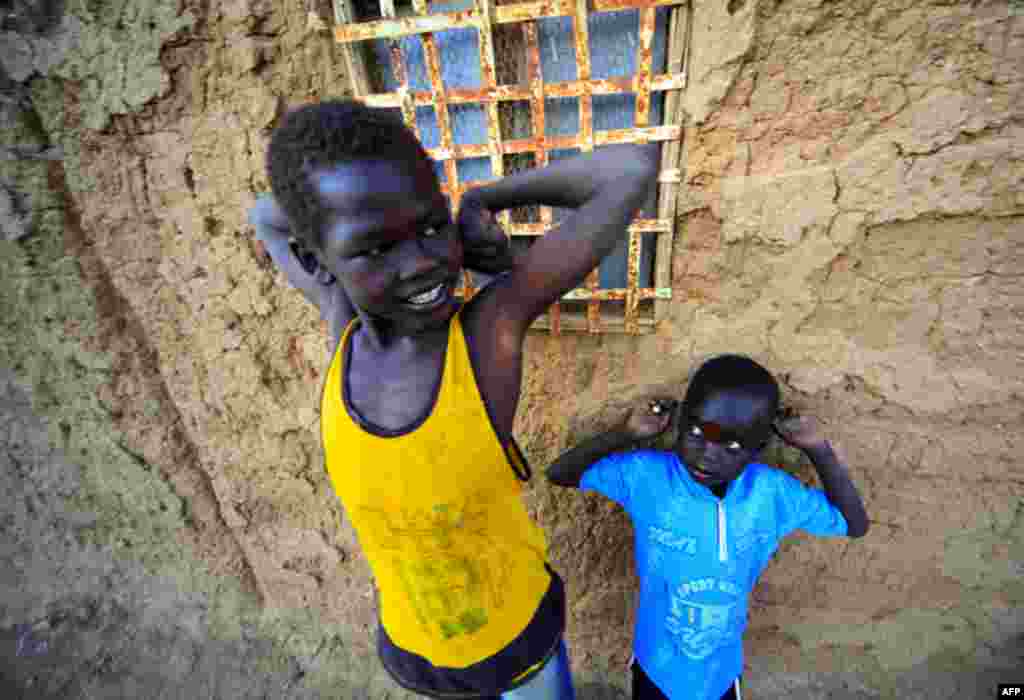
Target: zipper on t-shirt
[723, 546]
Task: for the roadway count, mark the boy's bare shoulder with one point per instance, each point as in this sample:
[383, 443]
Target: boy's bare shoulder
[486, 317]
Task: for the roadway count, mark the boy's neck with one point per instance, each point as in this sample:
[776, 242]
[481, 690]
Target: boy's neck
[385, 338]
[719, 489]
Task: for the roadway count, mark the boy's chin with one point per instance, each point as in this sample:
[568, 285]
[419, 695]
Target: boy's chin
[708, 480]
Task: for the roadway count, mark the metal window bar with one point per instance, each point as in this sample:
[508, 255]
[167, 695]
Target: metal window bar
[482, 17]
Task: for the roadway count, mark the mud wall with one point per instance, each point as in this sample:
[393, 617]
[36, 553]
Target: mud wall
[852, 217]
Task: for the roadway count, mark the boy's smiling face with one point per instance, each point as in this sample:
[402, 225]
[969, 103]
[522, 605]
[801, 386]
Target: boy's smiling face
[722, 434]
[389, 238]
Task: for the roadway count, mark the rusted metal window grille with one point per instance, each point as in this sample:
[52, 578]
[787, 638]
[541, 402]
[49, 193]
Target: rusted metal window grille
[431, 110]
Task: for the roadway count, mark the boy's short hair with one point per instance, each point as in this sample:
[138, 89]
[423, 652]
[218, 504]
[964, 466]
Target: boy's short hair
[326, 134]
[732, 373]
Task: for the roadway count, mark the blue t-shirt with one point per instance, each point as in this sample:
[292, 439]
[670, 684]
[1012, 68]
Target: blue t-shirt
[698, 557]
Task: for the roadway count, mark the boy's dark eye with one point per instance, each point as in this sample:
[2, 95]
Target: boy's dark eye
[309, 263]
[734, 446]
[307, 259]
[695, 431]
[432, 231]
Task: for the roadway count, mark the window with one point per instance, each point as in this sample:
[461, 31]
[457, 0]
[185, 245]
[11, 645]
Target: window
[492, 89]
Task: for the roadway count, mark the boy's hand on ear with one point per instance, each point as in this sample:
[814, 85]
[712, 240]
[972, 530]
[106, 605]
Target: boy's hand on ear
[650, 419]
[268, 219]
[805, 432]
[274, 238]
[486, 248]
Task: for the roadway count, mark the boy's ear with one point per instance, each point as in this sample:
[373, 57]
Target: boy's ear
[324, 276]
[306, 257]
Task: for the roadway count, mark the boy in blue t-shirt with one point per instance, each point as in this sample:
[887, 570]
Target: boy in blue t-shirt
[707, 518]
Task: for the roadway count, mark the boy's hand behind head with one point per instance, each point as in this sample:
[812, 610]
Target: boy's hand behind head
[486, 247]
[268, 219]
[805, 432]
[650, 418]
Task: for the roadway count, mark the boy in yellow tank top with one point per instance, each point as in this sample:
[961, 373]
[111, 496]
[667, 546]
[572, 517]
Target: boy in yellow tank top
[419, 401]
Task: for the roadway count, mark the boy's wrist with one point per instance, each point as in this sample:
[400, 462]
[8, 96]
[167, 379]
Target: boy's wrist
[483, 251]
[622, 436]
[473, 198]
[491, 261]
[822, 455]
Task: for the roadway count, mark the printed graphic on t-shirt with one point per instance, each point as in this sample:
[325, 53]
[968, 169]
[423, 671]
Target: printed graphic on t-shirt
[446, 562]
[671, 540]
[745, 539]
[663, 545]
[699, 629]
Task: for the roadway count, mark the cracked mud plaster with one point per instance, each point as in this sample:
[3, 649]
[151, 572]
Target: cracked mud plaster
[851, 217]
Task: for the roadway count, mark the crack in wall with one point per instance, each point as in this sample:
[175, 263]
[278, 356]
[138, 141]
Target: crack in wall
[118, 321]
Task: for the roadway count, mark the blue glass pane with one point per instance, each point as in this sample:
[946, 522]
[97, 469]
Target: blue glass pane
[612, 272]
[557, 49]
[614, 111]
[659, 63]
[426, 122]
[469, 124]
[442, 6]
[474, 170]
[415, 63]
[561, 116]
[614, 269]
[563, 153]
[614, 38]
[459, 53]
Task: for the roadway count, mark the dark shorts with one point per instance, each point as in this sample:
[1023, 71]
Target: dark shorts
[644, 688]
[492, 676]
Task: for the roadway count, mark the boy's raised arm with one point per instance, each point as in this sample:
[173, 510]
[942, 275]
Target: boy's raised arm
[839, 488]
[805, 433]
[642, 423]
[605, 188]
[273, 230]
[568, 469]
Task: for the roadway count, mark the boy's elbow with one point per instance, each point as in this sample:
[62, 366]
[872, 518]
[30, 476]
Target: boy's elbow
[858, 530]
[557, 476]
[553, 475]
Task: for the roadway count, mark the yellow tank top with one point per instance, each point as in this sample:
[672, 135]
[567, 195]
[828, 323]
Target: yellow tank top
[459, 564]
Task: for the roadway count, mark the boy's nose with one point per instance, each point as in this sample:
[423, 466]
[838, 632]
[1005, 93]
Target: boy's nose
[716, 453]
[416, 262]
